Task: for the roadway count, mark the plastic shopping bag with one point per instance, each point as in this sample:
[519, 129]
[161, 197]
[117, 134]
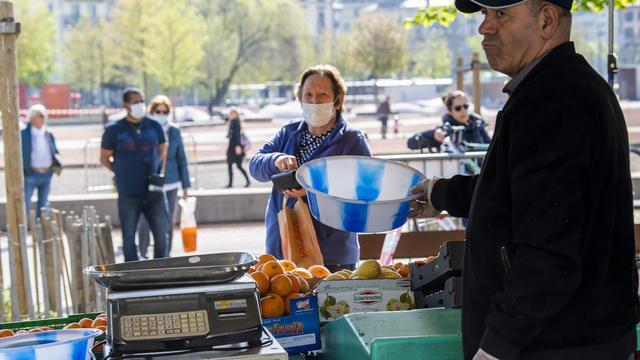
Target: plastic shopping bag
[297, 235]
[188, 226]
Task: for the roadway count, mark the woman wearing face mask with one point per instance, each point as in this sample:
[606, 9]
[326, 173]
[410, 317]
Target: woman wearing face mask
[176, 171]
[235, 151]
[322, 132]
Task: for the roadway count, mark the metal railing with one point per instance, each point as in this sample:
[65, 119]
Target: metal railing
[98, 179]
[439, 164]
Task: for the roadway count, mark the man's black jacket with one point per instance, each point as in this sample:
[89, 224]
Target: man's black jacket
[561, 206]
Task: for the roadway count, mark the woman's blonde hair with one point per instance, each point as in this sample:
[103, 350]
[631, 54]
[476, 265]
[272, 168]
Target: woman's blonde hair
[157, 101]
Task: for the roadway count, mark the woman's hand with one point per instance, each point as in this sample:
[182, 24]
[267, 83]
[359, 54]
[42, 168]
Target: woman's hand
[238, 150]
[286, 162]
[294, 194]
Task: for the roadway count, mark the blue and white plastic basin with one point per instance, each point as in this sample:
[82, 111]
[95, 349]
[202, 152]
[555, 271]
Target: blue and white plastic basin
[71, 344]
[359, 193]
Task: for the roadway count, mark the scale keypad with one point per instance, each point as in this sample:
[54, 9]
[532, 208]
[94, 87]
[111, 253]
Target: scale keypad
[162, 326]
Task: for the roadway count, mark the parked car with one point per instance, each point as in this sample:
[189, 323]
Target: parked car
[192, 114]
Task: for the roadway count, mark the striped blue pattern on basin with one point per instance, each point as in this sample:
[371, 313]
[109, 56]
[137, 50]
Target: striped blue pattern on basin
[49, 345]
[358, 194]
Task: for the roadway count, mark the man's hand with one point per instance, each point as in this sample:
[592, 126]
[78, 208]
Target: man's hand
[105, 158]
[482, 355]
[422, 207]
[185, 194]
[286, 162]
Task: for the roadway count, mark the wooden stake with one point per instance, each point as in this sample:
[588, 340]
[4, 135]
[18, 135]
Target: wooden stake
[14, 181]
[459, 75]
[475, 67]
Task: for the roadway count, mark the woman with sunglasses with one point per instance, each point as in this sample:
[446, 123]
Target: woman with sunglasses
[176, 171]
[458, 114]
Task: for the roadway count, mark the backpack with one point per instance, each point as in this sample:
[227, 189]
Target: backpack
[245, 142]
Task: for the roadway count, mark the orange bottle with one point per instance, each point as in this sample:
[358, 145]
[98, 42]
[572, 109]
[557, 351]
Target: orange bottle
[189, 239]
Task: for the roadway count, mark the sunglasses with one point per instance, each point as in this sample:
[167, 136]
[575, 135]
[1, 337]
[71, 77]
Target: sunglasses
[162, 113]
[459, 107]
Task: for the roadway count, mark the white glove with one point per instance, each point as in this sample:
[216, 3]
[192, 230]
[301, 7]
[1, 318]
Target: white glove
[422, 207]
[482, 355]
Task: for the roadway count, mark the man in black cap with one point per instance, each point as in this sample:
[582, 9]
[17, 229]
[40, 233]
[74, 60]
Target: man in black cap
[549, 269]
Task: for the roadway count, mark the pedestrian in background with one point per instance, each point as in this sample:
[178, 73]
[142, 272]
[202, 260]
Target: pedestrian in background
[39, 158]
[176, 173]
[384, 110]
[235, 150]
[134, 149]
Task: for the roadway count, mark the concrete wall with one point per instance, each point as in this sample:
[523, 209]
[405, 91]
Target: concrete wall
[214, 206]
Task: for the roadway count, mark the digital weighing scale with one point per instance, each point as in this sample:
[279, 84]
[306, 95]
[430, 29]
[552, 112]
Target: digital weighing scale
[184, 304]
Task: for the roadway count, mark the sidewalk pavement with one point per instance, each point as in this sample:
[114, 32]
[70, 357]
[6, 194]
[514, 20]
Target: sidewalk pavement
[230, 237]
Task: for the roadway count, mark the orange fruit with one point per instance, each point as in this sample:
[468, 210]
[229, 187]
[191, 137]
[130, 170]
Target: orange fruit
[271, 306]
[397, 265]
[302, 272]
[20, 332]
[281, 285]
[262, 280]
[288, 265]
[35, 330]
[45, 328]
[73, 325]
[6, 332]
[319, 271]
[265, 258]
[295, 283]
[101, 327]
[85, 322]
[404, 271]
[251, 270]
[99, 322]
[287, 304]
[272, 268]
[304, 285]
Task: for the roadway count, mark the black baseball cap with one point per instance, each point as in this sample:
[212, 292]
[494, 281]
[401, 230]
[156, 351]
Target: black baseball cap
[471, 6]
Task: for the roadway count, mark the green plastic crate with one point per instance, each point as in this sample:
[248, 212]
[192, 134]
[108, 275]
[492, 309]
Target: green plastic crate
[54, 323]
[423, 334]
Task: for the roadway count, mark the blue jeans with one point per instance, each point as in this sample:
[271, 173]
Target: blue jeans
[129, 210]
[143, 227]
[41, 181]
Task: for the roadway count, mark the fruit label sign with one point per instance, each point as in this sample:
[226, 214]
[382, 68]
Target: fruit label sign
[367, 297]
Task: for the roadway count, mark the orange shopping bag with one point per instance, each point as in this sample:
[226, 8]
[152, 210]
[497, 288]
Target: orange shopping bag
[297, 236]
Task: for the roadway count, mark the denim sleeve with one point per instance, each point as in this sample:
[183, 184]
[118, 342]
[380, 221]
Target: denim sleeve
[183, 168]
[263, 164]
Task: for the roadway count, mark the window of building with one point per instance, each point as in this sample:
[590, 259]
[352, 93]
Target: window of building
[628, 33]
[628, 15]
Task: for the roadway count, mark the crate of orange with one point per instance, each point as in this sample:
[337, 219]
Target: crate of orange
[288, 306]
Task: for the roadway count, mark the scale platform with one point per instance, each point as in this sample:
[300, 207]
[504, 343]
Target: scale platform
[273, 351]
[415, 334]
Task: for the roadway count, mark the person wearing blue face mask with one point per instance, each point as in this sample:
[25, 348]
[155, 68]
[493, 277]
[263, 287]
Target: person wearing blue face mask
[322, 132]
[176, 174]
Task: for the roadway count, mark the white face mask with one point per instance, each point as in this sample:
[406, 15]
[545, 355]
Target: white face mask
[138, 110]
[317, 115]
[161, 118]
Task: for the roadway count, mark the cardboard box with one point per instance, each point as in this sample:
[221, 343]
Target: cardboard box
[341, 297]
[300, 331]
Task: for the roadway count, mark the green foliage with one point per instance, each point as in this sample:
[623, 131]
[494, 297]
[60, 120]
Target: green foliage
[174, 50]
[251, 40]
[432, 58]
[132, 31]
[379, 44]
[87, 54]
[35, 44]
[444, 15]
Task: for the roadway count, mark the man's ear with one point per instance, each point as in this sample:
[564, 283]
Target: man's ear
[549, 20]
